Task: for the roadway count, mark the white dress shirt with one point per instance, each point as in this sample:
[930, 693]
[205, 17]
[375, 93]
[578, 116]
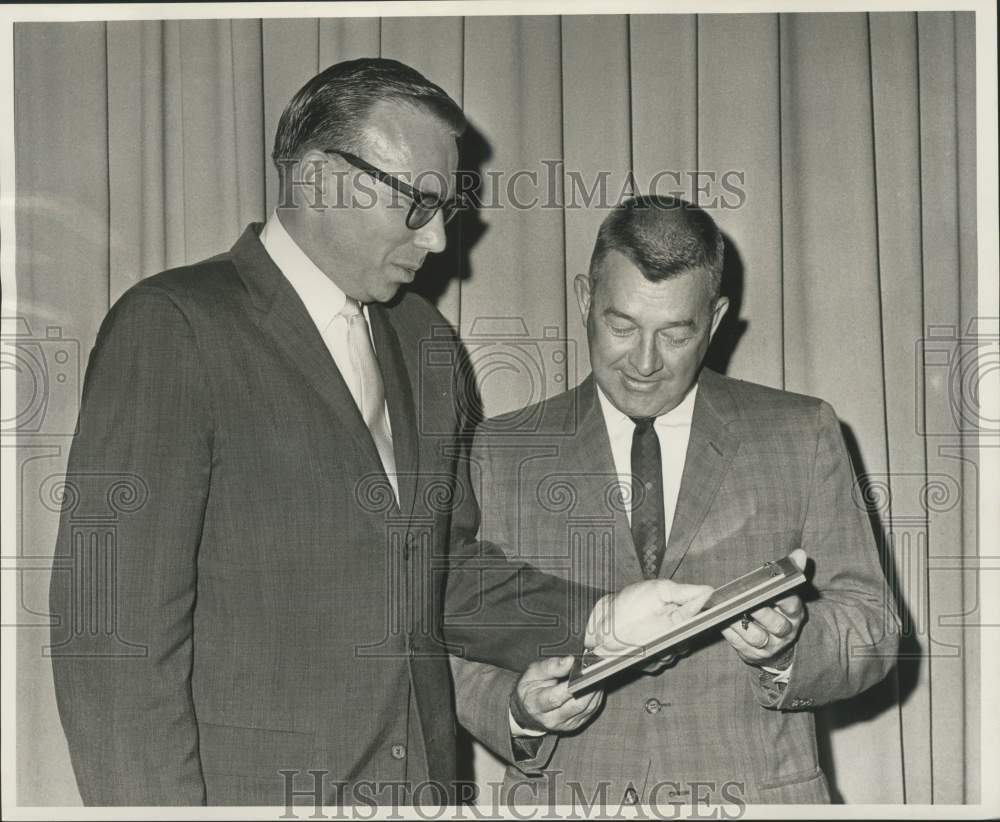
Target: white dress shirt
[323, 299]
[673, 430]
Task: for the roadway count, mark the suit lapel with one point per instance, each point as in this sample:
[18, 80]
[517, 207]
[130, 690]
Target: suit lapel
[399, 396]
[710, 451]
[283, 317]
[589, 454]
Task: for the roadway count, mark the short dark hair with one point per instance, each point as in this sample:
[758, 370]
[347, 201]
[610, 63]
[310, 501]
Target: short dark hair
[331, 109]
[664, 237]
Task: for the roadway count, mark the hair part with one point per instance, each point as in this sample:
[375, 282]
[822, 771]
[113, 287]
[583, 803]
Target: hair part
[664, 237]
[331, 110]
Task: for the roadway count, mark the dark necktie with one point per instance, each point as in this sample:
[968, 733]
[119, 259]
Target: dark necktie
[649, 532]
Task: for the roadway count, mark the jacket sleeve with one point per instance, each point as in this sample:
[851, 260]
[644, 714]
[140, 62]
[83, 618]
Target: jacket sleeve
[849, 640]
[482, 691]
[498, 609]
[123, 676]
[482, 694]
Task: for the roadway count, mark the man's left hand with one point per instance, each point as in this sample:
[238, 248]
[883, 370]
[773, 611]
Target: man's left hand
[767, 639]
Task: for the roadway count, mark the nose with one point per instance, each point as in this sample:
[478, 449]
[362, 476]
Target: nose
[431, 237]
[646, 359]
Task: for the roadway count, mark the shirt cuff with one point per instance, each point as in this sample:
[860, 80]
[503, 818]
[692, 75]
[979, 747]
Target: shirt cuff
[781, 677]
[517, 731]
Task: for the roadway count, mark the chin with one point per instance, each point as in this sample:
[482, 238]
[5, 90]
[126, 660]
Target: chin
[646, 406]
[630, 406]
[388, 293]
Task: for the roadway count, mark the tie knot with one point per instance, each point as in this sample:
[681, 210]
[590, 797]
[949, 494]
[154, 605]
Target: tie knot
[643, 424]
[351, 309]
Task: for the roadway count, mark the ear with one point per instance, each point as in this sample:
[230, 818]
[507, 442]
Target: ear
[718, 312]
[584, 288]
[307, 182]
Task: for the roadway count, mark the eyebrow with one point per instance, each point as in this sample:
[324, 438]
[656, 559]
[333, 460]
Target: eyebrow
[614, 312]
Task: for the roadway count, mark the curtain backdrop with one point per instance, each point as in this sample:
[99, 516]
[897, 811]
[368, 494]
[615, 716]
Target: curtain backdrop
[144, 145]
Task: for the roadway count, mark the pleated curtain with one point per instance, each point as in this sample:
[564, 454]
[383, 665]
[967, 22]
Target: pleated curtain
[145, 145]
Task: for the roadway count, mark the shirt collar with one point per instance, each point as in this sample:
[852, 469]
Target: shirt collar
[680, 415]
[323, 298]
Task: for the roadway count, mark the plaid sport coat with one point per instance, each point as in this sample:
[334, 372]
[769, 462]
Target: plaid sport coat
[766, 472]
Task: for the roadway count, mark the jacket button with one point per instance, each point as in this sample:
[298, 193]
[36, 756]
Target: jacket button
[398, 751]
[653, 706]
[630, 797]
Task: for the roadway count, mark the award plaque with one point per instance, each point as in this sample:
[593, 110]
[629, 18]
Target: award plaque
[737, 597]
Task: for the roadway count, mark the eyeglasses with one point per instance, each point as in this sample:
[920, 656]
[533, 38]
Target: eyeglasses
[423, 206]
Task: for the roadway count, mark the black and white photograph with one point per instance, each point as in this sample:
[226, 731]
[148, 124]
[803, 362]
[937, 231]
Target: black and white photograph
[497, 409]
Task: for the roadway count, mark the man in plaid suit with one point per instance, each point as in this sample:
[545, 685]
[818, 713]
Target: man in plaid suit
[655, 466]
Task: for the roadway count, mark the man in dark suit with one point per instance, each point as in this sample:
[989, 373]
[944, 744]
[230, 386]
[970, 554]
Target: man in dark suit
[655, 467]
[300, 516]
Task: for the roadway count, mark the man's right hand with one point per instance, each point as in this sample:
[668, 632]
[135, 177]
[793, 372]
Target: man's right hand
[641, 612]
[542, 702]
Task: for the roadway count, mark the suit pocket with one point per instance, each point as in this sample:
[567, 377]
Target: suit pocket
[806, 788]
[258, 752]
[786, 753]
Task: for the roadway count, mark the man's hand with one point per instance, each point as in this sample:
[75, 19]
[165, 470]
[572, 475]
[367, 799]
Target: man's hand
[640, 613]
[542, 702]
[769, 637]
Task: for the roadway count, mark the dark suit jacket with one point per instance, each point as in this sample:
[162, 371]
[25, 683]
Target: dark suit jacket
[266, 605]
[766, 471]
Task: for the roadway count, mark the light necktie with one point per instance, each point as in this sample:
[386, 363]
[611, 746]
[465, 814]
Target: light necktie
[648, 520]
[366, 384]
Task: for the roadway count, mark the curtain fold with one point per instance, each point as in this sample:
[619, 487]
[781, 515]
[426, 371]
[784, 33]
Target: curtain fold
[513, 94]
[740, 132]
[187, 180]
[849, 213]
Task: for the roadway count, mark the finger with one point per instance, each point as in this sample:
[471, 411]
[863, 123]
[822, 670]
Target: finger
[573, 712]
[556, 667]
[799, 557]
[546, 672]
[547, 699]
[753, 635]
[659, 664]
[572, 723]
[773, 621]
[613, 645]
[693, 605]
[792, 606]
[681, 592]
[741, 646]
[580, 706]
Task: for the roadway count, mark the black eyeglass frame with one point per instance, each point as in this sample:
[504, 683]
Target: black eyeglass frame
[422, 204]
